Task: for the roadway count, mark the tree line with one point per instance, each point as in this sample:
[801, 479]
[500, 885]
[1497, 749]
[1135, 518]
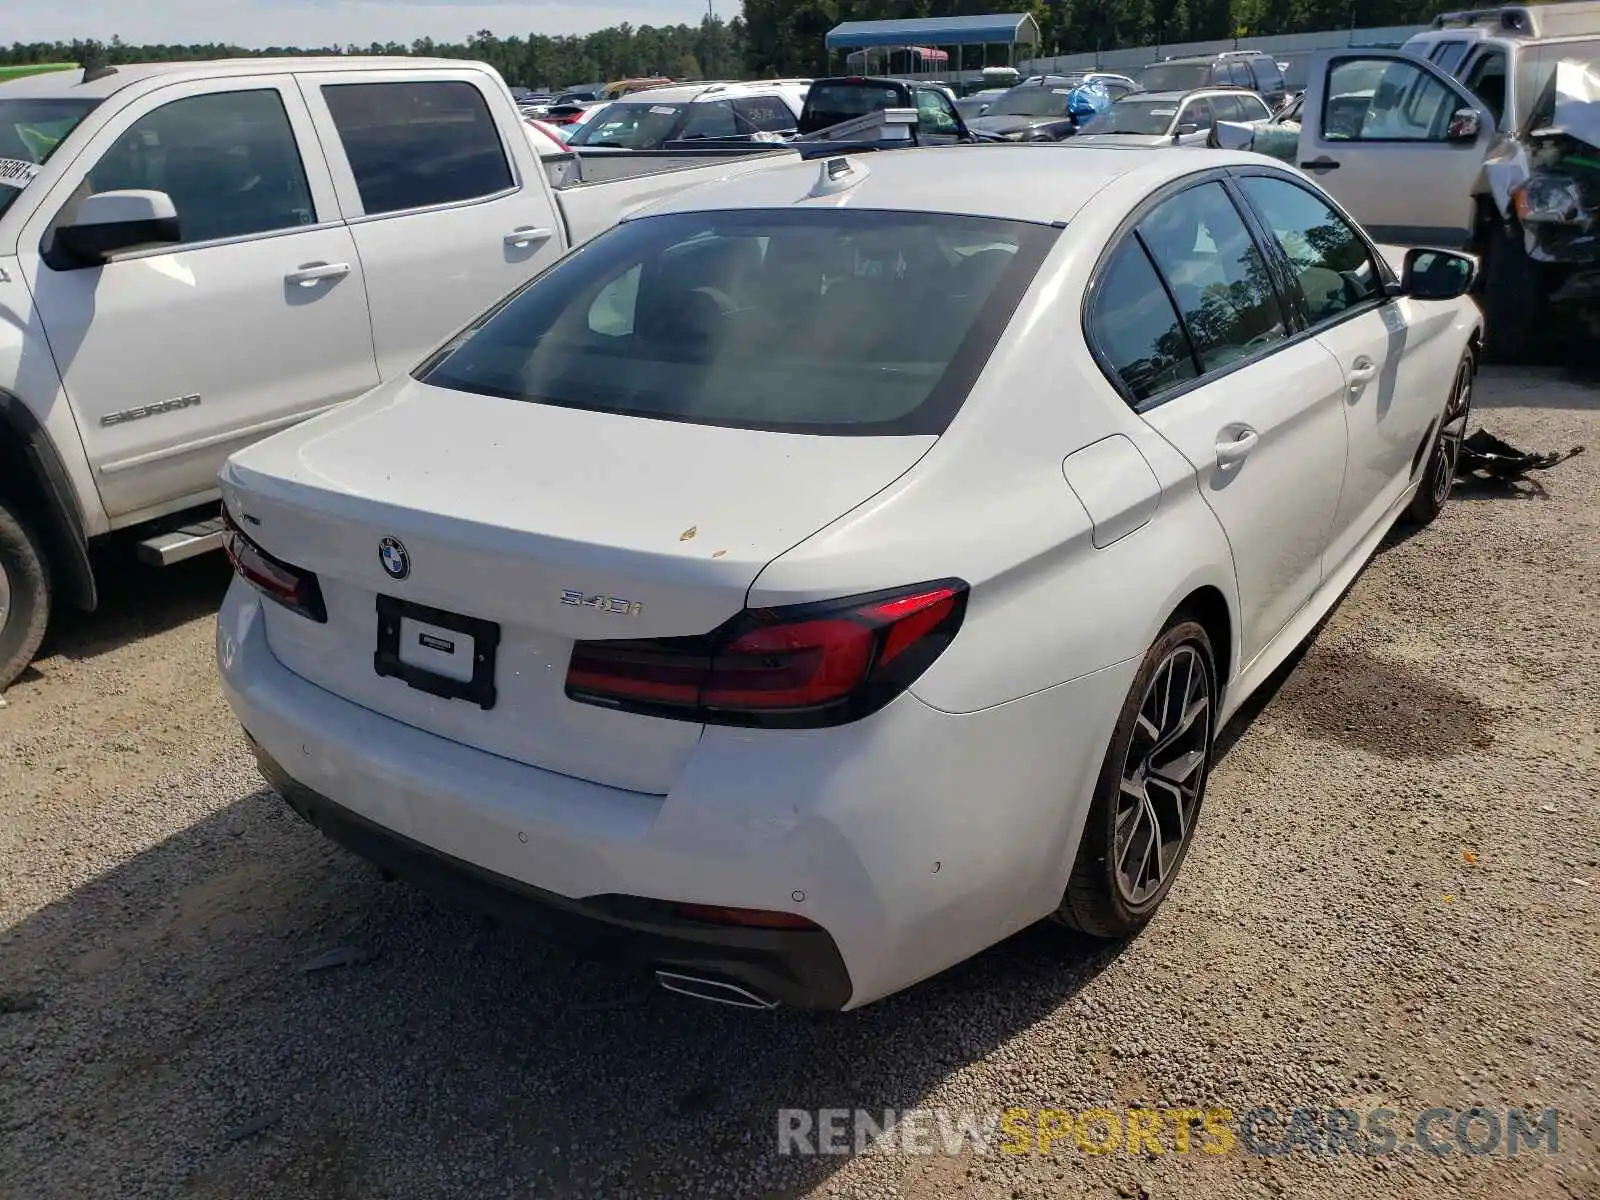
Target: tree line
[785, 37]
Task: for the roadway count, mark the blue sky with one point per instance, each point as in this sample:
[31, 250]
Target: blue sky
[315, 22]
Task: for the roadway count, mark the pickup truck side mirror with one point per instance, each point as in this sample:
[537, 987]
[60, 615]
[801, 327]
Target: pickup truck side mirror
[108, 223]
[1437, 274]
[1464, 126]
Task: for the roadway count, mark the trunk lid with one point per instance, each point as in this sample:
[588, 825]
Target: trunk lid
[556, 525]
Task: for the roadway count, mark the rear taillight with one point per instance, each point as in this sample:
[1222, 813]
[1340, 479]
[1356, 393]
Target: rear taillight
[799, 666]
[292, 587]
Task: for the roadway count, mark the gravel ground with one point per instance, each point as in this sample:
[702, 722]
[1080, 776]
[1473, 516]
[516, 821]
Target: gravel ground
[1393, 902]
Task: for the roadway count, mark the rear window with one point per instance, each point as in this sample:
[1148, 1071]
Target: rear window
[1175, 77]
[830, 103]
[834, 321]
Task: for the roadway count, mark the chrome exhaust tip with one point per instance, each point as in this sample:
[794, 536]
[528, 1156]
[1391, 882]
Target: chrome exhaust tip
[715, 990]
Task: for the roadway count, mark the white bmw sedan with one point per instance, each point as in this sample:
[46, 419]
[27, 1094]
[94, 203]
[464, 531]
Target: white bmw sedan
[832, 571]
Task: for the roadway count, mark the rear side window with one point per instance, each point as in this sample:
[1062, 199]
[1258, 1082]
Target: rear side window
[713, 119]
[1226, 108]
[1135, 328]
[818, 321]
[1217, 275]
[763, 114]
[412, 145]
[1448, 55]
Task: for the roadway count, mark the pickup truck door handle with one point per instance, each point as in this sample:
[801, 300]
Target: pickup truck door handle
[525, 235]
[310, 274]
[1231, 452]
[1319, 165]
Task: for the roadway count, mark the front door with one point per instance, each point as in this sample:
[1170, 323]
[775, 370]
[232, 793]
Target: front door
[1389, 349]
[1386, 135]
[176, 356]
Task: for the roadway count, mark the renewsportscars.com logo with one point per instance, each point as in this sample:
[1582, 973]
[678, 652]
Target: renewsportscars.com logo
[1262, 1131]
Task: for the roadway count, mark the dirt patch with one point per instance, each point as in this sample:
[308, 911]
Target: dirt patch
[1392, 709]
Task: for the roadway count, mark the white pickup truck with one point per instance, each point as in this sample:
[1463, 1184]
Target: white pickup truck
[194, 255]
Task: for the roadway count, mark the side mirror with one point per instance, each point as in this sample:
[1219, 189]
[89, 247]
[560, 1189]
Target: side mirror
[111, 222]
[1437, 274]
[1231, 135]
[1186, 129]
[1464, 126]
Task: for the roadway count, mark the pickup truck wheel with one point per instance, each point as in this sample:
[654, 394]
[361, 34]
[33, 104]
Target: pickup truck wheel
[1515, 302]
[24, 596]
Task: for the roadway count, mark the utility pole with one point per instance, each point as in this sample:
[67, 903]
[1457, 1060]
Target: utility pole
[711, 40]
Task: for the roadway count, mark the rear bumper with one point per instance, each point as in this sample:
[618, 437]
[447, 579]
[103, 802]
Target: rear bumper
[914, 838]
[797, 967]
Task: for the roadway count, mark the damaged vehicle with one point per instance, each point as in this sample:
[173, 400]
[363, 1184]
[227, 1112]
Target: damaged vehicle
[1503, 161]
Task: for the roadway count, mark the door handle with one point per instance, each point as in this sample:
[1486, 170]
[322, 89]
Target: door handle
[1361, 373]
[310, 274]
[1235, 451]
[525, 235]
[1319, 165]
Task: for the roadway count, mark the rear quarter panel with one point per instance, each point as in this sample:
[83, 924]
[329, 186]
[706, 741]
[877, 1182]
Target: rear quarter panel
[990, 504]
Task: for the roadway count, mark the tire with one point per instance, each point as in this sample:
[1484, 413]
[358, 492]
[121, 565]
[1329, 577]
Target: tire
[1515, 300]
[1108, 895]
[24, 595]
[1444, 456]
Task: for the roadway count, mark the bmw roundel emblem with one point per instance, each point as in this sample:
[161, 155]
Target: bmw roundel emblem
[394, 558]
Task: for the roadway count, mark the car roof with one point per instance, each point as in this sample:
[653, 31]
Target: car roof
[71, 83]
[687, 93]
[1213, 56]
[1175, 97]
[1043, 183]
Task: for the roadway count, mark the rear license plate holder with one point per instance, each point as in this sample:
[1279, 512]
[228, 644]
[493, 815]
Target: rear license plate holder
[387, 660]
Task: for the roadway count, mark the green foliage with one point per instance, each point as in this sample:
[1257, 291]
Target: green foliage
[785, 37]
[712, 48]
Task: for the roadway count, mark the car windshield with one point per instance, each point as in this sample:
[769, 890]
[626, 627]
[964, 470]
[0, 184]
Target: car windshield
[1032, 100]
[1175, 77]
[30, 131]
[832, 320]
[1135, 116]
[634, 126]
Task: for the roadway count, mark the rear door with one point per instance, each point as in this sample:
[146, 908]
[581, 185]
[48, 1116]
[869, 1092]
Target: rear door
[1258, 413]
[176, 356]
[1385, 133]
[445, 220]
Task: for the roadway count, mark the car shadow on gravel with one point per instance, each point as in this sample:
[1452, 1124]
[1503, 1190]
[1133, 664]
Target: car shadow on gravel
[165, 1009]
[136, 600]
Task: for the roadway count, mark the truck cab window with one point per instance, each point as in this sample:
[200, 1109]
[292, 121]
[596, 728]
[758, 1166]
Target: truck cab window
[414, 145]
[228, 161]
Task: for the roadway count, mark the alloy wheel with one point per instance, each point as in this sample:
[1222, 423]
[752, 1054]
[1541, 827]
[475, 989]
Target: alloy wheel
[1162, 775]
[1452, 432]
